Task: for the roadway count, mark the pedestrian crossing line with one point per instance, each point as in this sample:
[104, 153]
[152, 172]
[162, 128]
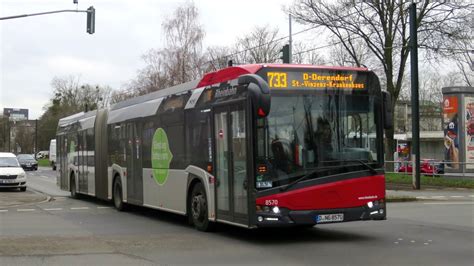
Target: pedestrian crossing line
[53, 209]
[79, 208]
[104, 207]
[3, 210]
[25, 210]
[443, 197]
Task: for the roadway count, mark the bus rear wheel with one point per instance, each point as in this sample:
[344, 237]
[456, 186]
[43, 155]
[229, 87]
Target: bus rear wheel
[199, 210]
[118, 198]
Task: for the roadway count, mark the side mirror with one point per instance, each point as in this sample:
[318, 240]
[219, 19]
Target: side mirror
[258, 91]
[387, 110]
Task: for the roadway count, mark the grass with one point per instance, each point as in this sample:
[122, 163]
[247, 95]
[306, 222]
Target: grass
[400, 198]
[395, 178]
[43, 162]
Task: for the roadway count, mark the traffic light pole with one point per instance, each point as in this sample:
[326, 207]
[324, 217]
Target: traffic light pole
[290, 48]
[42, 13]
[90, 16]
[415, 114]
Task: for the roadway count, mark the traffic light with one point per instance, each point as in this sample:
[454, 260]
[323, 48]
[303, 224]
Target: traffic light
[91, 20]
[285, 54]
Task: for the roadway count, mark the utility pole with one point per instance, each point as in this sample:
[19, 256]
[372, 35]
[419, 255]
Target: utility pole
[290, 49]
[415, 114]
[36, 137]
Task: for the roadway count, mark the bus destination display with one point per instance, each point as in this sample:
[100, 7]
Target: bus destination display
[316, 80]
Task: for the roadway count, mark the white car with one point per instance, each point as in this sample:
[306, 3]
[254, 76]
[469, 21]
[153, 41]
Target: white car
[11, 173]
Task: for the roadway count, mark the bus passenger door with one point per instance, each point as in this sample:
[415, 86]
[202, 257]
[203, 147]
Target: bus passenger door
[134, 165]
[231, 163]
[81, 162]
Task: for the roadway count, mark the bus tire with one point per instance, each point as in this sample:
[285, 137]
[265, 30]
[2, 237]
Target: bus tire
[118, 196]
[72, 188]
[199, 210]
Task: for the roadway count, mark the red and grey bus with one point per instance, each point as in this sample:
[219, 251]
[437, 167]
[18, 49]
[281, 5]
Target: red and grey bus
[253, 145]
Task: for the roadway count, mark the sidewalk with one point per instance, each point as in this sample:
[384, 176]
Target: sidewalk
[430, 193]
[13, 197]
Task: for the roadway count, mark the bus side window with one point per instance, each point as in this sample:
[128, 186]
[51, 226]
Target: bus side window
[198, 128]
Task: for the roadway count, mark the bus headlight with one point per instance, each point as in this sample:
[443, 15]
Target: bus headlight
[370, 204]
[275, 209]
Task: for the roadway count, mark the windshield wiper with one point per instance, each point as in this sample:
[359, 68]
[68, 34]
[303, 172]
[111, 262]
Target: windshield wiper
[304, 177]
[370, 168]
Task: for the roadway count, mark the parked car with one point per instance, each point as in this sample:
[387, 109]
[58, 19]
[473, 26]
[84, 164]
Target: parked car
[27, 161]
[11, 173]
[42, 154]
[427, 167]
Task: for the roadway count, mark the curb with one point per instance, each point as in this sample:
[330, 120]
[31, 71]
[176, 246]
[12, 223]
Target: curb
[400, 199]
[48, 198]
[409, 187]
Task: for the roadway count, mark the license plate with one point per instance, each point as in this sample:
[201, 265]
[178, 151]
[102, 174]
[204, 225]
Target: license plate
[330, 218]
[7, 181]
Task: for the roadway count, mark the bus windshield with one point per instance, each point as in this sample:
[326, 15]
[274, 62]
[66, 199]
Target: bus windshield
[315, 133]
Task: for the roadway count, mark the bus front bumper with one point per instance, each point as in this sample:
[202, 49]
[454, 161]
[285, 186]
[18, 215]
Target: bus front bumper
[286, 217]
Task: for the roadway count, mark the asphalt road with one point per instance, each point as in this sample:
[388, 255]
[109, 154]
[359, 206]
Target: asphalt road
[65, 231]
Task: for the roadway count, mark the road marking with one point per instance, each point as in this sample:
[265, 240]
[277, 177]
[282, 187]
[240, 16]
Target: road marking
[472, 196]
[25, 210]
[422, 197]
[103, 207]
[413, 241]
[3, 210]
[400, 239]
[449, 203]
[79, 208]
[53, 209]
[456, 196]
[438, 197]
[426, 243]
[396, 243]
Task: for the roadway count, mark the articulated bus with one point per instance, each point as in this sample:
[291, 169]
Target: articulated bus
[261, 145]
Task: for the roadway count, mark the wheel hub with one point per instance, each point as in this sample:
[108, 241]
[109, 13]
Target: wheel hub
[197, 206]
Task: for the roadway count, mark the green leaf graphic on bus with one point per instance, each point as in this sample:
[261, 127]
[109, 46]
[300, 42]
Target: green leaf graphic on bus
[161, 156]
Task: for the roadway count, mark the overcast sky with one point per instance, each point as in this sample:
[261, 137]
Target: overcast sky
[34, 50]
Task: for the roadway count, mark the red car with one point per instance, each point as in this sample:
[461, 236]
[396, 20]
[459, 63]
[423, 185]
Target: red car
[427, 167]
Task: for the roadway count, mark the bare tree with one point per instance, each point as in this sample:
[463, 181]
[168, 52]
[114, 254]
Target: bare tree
[24, 136]
[181, 59]
[304, 54]
[261, 45]
[465, 63]
[383, 27]
[217, 57]
[184, 37]
[69, 96]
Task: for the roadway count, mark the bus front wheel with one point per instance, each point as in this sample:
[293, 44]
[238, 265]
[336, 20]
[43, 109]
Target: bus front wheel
[199, 209]
[118, 197]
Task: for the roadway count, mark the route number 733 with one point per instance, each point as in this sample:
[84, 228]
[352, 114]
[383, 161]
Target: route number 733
[277, 79]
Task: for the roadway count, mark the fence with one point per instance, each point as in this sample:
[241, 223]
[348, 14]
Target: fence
[428, 167]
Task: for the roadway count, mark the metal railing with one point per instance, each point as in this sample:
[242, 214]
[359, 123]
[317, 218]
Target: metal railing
[437, 167]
